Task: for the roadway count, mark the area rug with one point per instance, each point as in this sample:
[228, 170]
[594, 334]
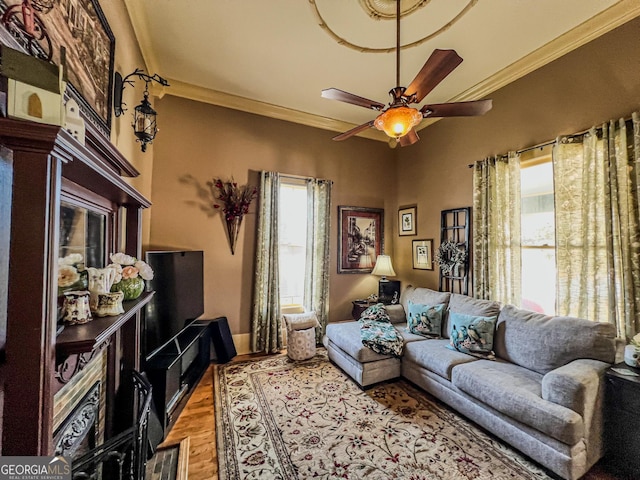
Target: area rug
[279, 419]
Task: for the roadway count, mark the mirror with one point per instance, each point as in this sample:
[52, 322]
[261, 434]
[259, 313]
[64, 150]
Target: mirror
[82, 231]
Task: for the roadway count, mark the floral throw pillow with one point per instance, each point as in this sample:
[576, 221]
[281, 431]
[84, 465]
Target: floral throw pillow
[376, 312]
[472, 334]
[425, 320]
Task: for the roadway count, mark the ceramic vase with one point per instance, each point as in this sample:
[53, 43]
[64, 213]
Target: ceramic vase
[131, 287]
[632, 356]
[100, 282]
[109, 304]
[75, 309]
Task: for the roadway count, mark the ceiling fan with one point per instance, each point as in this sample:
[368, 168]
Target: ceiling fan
[398, 120]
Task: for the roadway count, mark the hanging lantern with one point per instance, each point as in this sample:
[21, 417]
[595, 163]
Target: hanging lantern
[144, 122]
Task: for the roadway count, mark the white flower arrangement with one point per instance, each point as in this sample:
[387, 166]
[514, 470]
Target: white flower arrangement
[635, 341]
[129, 267]
[449, 256]
[69, 268]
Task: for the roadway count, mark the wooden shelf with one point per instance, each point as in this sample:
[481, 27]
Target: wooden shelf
[89, 336]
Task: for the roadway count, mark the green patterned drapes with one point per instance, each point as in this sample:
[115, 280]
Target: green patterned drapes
[266, 331]
[597, 231]
[496, 229]
[316, 288]
[266, 334]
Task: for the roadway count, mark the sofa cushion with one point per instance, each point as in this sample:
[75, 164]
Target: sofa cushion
[396, 313]
[469, 306]
[433, 356]
[346, 336]
[471, 334]
[517, 392]
[543, 343]
[425, 319]
[424, 296]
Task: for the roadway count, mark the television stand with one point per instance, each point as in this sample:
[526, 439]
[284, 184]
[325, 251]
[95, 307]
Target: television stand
[176, 368]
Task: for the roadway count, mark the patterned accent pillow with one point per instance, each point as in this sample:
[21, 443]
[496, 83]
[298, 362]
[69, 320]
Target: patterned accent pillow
[472, 334]
[376, 312]
[301, 321]
[425, 320]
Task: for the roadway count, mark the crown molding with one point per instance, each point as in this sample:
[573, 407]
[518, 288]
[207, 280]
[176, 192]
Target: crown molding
[616, 15]
[141, 31]
[605, 21]
[214, 97]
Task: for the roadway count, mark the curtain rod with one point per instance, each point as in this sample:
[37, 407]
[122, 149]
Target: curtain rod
[528, 149]
[303, 177]
[551, 142]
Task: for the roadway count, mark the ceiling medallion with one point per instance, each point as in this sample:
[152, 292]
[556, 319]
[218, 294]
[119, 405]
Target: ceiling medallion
[386, 9]
[382, 6]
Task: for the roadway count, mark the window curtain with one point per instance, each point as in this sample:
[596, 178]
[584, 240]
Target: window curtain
[597, 232]
[496, 229]
[316, 288]
[266, 334]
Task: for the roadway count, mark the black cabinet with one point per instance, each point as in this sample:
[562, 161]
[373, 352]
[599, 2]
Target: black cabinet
[176, 369]
[622, 421]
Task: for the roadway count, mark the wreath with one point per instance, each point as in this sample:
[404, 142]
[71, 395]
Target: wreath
[449, 256]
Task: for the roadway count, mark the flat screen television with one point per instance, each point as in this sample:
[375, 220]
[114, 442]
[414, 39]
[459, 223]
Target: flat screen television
[179, 298]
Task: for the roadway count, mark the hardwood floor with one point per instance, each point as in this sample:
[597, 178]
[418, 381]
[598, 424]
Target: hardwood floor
[197, 421]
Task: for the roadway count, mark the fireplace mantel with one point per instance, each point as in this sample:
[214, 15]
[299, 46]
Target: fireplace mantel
[44, 161]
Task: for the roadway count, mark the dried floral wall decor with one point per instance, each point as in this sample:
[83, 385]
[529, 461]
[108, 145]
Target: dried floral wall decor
[234, 202]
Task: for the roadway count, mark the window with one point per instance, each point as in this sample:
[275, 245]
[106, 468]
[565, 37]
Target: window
[538, 235]
[292, 238]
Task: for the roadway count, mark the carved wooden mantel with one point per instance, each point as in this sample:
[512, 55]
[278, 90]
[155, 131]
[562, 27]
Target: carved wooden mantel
[45, 159]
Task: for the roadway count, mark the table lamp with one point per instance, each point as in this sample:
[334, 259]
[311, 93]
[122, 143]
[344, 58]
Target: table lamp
[388, 290]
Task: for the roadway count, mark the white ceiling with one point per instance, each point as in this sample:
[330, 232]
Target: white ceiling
[273, 58]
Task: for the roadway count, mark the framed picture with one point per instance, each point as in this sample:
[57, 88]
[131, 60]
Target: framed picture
[407, 218]
[78, 27]
[423, 254]
[360, 238]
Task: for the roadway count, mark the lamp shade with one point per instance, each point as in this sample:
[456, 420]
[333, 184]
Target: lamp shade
[383, 266]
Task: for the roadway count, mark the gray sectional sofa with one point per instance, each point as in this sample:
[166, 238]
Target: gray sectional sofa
[543, 393]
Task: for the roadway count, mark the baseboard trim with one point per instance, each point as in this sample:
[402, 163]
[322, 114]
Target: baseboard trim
[242, 341]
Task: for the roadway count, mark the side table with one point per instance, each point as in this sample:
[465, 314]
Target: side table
[622, 420]
[359, 306]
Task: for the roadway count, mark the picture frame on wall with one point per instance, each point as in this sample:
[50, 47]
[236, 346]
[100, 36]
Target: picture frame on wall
[80, 30]
[360, 238]
[407, 218]
[423, 254]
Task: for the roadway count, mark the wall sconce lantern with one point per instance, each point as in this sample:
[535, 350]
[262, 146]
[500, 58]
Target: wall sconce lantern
[144, 116]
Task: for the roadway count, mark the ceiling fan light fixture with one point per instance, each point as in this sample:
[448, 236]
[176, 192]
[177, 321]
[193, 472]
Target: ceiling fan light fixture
[396, 122]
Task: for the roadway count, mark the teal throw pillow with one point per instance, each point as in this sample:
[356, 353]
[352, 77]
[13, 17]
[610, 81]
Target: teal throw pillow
[472, 334]
[425, 320]
[376, 312]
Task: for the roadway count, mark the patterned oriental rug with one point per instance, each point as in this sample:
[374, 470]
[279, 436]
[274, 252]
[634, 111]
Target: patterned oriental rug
[279, 419]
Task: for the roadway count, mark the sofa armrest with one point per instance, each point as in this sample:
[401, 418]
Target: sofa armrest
[575, 385]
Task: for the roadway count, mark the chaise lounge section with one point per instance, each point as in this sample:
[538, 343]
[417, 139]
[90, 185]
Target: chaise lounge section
[543, 393]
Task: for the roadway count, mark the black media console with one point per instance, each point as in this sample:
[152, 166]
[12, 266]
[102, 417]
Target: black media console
[175, 369]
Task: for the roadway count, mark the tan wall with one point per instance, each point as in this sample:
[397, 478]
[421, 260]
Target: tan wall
[588, 86]
[206, 141]
[127, 58]
[593, 84]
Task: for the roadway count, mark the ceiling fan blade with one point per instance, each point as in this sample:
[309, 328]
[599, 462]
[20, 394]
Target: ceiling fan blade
[440, 64]
[409, 139]
[353, 131]
[457, 109]
[342, 96]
